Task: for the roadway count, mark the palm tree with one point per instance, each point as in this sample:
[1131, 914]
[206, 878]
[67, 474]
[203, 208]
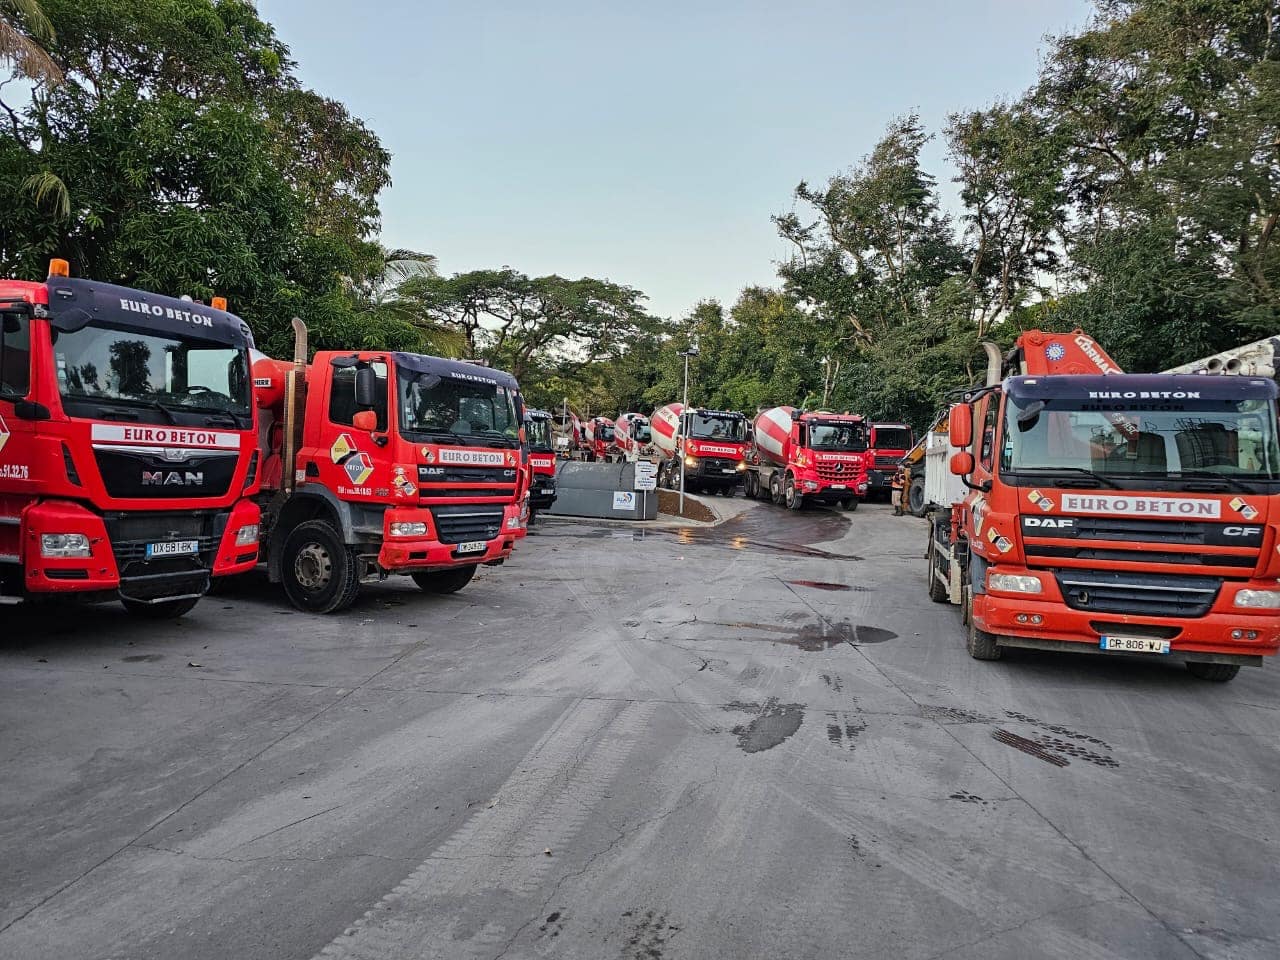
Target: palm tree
[389, 296]
[23, 29]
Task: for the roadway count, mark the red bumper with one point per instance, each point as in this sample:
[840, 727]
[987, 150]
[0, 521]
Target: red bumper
[400, 554]
[237, 554]
[68, 575]
[999, 613]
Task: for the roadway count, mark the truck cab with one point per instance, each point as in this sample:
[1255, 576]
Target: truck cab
[711, 451]
[887, 444]
[128, 445]
[404, 464]
[542, 461]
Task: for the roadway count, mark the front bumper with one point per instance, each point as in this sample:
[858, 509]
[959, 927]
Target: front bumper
[428, 552]
[542, 494]
[1208, 635]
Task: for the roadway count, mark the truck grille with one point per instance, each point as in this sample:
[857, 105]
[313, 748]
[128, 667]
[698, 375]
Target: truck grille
[1114, 591]
[887, 463]
[1138, 528]
[1144, 554]
[431, 480]
[838, 472]
[457, 524]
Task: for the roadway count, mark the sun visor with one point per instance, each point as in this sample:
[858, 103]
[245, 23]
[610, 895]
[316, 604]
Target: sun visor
[74, 303]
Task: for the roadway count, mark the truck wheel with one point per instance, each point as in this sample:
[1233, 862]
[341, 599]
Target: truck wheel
[915, 497]
[164, 610]
[980, 644]
[850, 504]
[1213, 672]
[775, 489]
[445, 581]
[749, 486]
[937, 592]
[793, 498]
[320, 572]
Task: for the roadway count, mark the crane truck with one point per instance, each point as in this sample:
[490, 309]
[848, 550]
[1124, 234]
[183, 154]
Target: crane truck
[707, 447]
[1104, 512]
[128, 445]
[542, 461]
[799, 457]
[379, 463]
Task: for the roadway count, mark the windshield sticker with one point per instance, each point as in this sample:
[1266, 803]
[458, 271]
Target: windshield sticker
[1242, 507]
[1141, 506]
[342, 448]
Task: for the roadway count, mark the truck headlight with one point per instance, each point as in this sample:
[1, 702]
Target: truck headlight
[403, 528]
[690, 461]
[64, 545]
[742, 466]
[247, 535]
[1270, 599]
[1014, 583]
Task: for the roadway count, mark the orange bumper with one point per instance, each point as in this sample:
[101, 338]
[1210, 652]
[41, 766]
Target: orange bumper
[401, 554]
[237, 553]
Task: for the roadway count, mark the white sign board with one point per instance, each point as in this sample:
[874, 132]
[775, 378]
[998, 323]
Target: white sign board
[646, 475]
[624, 500]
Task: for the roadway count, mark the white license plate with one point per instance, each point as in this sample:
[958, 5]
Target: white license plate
[839, 486]
[1135, 644]
[174, 548]
[473, 546]
[728, 470]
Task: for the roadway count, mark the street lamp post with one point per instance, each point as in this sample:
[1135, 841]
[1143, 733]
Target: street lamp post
[684, 412]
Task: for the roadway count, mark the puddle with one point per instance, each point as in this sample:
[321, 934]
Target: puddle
[823, 585]
[773, 723]
[814, 636]
[143, 658]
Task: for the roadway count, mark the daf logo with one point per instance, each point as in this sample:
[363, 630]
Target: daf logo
[1057, 523]
[1241, 531]
[172, 478]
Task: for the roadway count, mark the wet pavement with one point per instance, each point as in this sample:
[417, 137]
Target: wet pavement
[753, 740]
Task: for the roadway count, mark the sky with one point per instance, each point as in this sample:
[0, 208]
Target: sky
[646, 143]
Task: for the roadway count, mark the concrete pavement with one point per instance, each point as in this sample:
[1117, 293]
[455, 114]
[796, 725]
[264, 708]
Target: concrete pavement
[753, 740]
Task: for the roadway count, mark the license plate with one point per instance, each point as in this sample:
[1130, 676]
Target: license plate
[727, 470]
[174, 548]
[473, 546]
[839, 486]
[1135, 644]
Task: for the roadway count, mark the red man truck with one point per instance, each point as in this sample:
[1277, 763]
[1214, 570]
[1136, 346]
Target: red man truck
[383, 463]
[887, 444]
[798, 458]
[542, 461]
[1111, 513]
[706, 446]
[128, 445]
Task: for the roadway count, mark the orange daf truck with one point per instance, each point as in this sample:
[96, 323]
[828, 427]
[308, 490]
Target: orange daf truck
[379, 463]
[1111, 513]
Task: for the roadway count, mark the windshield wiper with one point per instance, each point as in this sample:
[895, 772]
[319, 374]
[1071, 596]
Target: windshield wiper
[1231, 482]
[1080, 470]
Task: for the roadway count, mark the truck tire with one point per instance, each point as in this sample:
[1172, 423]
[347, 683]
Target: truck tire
[164, 610]
[980, 644]
[850, 504]
[1213, 672]
[937, 592]
[319, 571]
[915, 497]
[751, 486]
[793, 498]
[775, 489]
[445, 581]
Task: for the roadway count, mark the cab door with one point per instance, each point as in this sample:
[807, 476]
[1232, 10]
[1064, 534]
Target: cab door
[18, 418]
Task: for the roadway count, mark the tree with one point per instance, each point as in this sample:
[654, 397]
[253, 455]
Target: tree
[24, 29]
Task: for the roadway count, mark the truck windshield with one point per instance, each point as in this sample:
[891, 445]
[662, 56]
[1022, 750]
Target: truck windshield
[179, 374]
[893, 438]
[604, 432]
[837, 436]
[457, 410]
[538, 433]
[713, 427]
[1231, 438]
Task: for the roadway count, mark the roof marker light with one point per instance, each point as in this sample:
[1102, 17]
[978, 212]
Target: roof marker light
[59, 268]
[218, 303]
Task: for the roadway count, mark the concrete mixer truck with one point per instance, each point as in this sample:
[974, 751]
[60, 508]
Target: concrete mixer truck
[707, 446]
[542, 461]
[378, 463]
[798, 458]
[633, 436]
[599, 444]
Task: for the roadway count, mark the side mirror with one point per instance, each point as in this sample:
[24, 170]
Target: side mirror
[960, 425]
[962, 463]
[365, 420]
[366, 388]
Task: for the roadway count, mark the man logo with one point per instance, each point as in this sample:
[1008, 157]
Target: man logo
[172, 478]
[1057, 523]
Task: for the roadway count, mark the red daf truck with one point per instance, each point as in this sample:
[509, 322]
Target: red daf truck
[798, 458]
[1111, 513]
[381, 463]
[887, 444]
[706, 446]
[542, 461]
[128, 445]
